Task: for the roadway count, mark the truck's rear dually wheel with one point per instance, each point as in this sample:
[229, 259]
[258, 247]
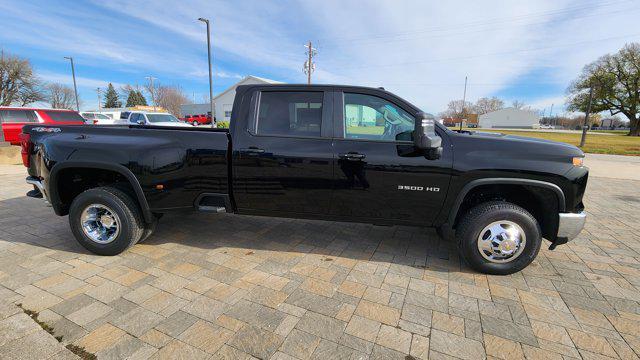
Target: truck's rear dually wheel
[105, 220]
[498, 238]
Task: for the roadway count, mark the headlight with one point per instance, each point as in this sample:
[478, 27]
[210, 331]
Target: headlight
[578, 161]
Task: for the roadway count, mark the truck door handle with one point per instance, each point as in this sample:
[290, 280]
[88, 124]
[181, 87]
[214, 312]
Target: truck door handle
[252, 150]
[352, 156]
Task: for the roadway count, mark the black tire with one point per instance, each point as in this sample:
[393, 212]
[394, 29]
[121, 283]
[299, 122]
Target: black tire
[131, 225]
[476, 219]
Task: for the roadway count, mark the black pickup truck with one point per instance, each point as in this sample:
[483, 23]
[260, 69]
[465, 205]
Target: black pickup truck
[340, 153]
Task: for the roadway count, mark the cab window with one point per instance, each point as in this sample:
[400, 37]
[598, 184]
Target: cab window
[370, 117]
[290, 113]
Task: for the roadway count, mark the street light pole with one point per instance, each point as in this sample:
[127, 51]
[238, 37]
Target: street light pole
[464, 99]
[75, 87]
[586, 118]
[206, 21]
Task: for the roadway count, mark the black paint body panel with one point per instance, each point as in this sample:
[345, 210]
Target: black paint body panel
[307, 177]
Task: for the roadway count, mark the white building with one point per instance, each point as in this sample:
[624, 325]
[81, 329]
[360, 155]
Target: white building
[509, 118]
[223, 102]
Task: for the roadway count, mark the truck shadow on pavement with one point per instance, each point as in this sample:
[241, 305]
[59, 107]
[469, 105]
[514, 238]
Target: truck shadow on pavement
[197, 238]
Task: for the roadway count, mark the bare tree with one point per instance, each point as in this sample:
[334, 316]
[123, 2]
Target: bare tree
[60, 96]
[615, 80]
[457, 110]
[517, 104]
[18, 83]
[169, 97]
[486, 105]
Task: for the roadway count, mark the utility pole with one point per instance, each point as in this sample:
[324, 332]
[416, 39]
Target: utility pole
[75, 87]
[206, 21]
[309, 65]
[153, 90]
[464, 99]
[551, 112]
[586, 118]
[99, 105]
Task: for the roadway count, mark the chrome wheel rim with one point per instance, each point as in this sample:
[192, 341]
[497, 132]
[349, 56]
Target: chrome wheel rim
[100, 223]
[501, 241]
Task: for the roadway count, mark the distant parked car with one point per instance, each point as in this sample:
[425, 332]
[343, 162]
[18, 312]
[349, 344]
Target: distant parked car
[14, 118]
[153, 118]
[546, 127]
[200, 119]
[94, 118]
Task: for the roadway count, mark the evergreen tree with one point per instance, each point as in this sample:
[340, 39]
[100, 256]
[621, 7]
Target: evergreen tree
[111, 99]
[141, 99]
[132, 98]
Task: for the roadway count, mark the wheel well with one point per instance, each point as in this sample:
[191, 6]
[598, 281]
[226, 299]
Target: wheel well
[73, 181]
[540, 202]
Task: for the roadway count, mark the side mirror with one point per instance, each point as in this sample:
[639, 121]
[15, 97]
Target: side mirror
[425, 137]
[140, 122]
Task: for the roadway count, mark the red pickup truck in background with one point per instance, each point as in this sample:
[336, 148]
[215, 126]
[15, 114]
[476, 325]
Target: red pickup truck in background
[13, 119]
[201, 119]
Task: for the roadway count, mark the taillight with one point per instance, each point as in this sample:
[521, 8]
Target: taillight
[25, 148]
[95, 122]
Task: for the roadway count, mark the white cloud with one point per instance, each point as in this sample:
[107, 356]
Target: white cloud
[420, 50]
[82, 82]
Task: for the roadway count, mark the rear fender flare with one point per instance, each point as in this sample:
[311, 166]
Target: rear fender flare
[135, 184]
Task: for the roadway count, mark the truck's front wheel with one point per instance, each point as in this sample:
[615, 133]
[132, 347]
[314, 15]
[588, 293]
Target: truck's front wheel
[498, 238]
[105, 220]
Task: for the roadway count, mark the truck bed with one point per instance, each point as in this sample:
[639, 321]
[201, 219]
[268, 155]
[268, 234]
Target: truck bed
[174, 166]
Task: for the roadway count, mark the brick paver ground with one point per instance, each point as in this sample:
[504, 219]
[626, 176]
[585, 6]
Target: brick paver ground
[230, 287]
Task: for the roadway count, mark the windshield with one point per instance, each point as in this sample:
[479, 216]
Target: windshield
[156, 118]
[103, 117]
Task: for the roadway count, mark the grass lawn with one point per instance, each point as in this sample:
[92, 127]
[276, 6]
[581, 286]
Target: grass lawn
[618, 144]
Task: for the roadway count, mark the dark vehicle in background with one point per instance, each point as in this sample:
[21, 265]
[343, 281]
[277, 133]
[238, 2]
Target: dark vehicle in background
[13, 119]
[338, 153]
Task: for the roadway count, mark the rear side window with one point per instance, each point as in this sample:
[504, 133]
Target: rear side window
[64, 116]
[290, 113]
[17, 116]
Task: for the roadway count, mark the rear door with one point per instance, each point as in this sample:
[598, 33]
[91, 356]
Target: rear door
[282, 152]
[12, 122]
[380, 176]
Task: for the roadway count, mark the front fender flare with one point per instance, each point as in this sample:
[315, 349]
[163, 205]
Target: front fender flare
[511, 181]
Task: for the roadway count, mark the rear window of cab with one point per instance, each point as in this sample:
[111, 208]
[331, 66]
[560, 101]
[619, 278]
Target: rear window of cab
[17, 116]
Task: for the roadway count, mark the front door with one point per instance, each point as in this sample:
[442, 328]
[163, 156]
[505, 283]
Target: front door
[283, 160]
[380, 176]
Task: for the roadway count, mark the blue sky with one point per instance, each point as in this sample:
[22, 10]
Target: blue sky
[525, 50]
